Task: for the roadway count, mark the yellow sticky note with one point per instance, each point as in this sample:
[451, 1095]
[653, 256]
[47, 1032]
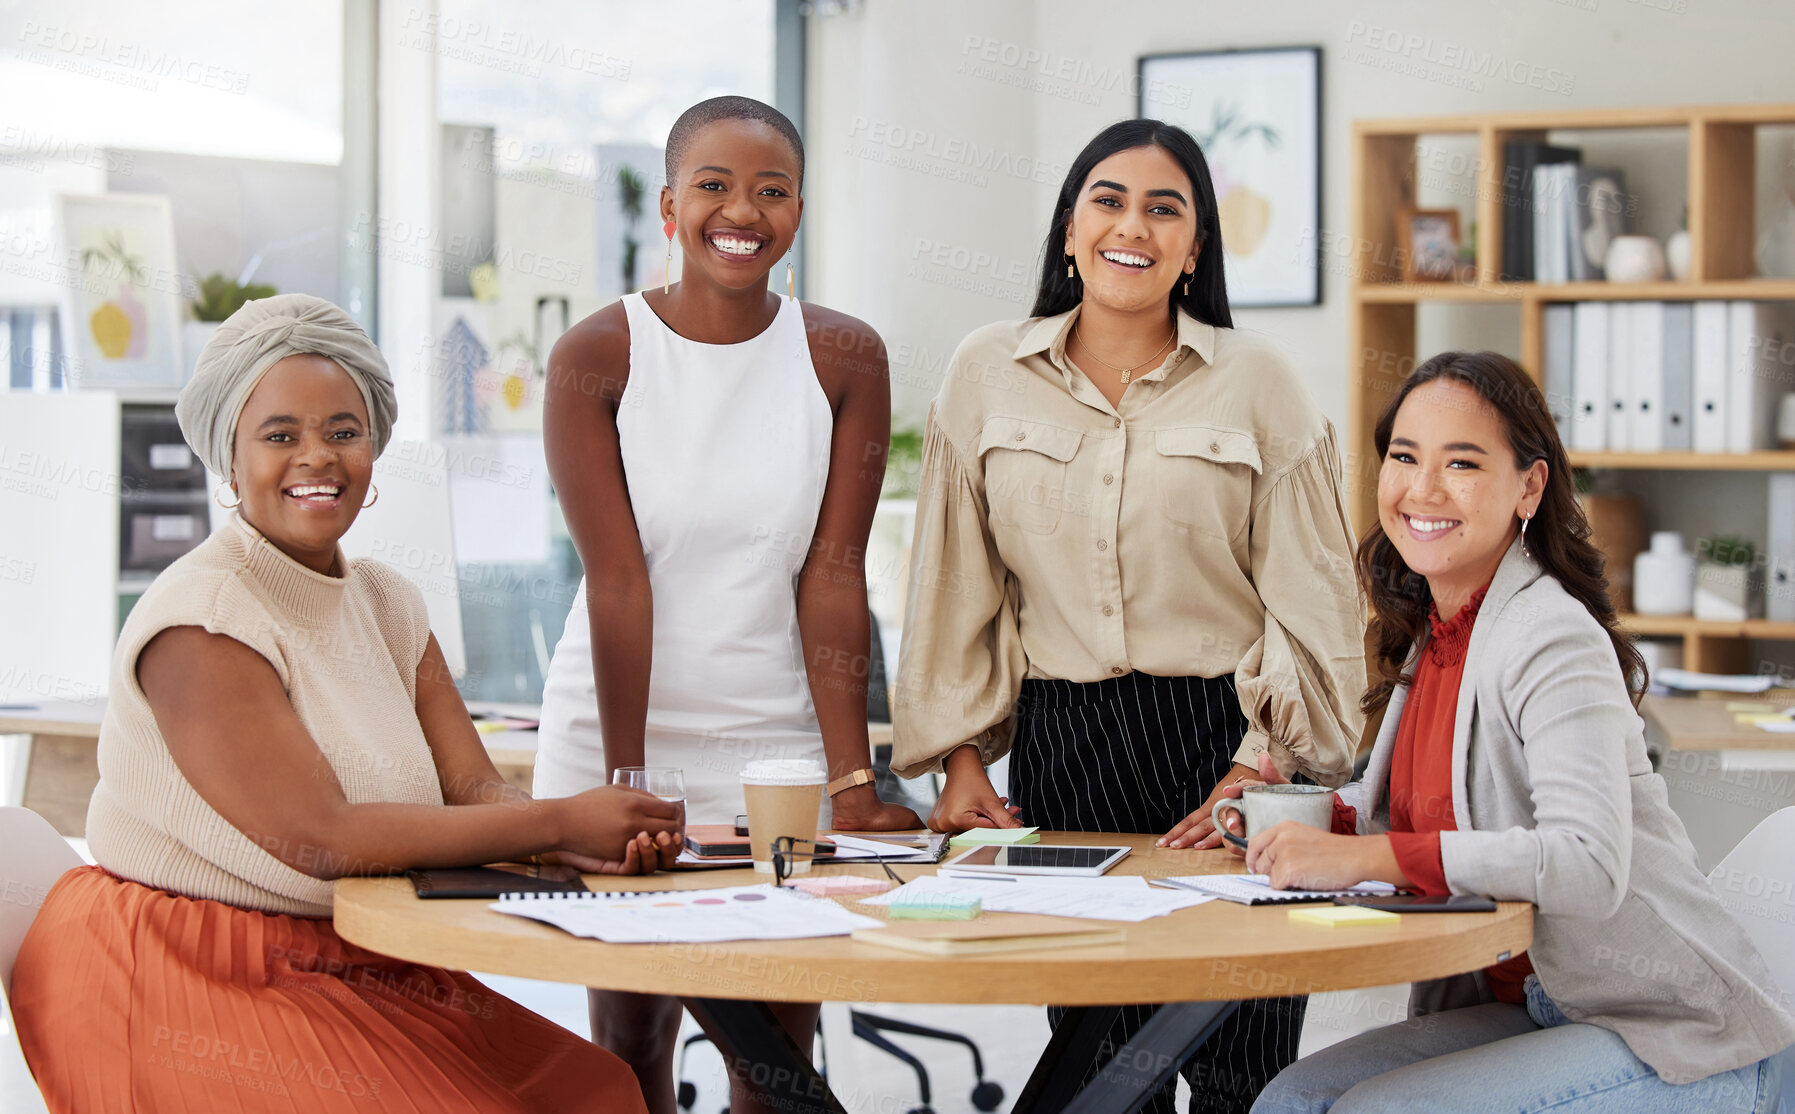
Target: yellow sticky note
[1336, 916]
[1756, 717]
[1007, 837]
[1748, 706]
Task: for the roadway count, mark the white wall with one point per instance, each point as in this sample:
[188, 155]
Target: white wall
[879, 209]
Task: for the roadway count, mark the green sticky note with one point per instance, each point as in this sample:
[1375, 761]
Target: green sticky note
[936, 907]
[1007, 837]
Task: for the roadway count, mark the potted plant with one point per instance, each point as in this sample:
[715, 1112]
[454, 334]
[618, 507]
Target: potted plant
[1729, 586]
[219, 297]
[903, 465]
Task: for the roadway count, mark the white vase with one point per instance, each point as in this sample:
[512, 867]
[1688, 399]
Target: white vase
[1676, 255]
[1634, 259]
[1664, 577]
[1726, 593]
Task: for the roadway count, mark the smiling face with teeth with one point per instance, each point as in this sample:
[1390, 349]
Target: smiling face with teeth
[302, 460]
[735, 203]
[1449, 494]
[1133, 231]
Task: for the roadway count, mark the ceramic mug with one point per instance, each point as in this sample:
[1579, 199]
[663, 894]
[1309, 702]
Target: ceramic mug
[1266, 806]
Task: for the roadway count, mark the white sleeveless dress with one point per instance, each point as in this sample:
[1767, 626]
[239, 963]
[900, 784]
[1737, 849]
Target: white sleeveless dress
[726, 453]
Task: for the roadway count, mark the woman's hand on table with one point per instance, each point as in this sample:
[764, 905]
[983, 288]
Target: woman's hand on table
[968, 799]
[1298, 857]
[644, 854]
[859, 809]
[1197, 831]
[617, 830]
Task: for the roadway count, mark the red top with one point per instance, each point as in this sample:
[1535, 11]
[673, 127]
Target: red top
[1421, 775]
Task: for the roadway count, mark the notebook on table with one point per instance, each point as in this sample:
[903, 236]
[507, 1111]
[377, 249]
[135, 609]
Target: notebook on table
[1256, 889]
[489, 882]
[988, 934]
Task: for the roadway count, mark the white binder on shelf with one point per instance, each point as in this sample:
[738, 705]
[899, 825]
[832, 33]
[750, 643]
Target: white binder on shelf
[1754, 334]
[1710, 377]
[1621, 372]
[1675, 429]
[1647, 378]
[1589, 378]
[1779, 587]
[1561, 355]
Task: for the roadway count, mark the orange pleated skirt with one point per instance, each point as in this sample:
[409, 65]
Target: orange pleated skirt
[129, 998]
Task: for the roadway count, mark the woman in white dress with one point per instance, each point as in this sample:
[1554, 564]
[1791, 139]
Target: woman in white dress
[718, 451]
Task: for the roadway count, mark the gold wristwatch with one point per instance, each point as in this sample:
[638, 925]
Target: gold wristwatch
[861, 776]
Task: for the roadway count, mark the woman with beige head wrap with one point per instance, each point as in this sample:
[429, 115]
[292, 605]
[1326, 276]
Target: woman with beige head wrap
[281, 717]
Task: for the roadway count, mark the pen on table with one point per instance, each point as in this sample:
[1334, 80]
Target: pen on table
[976, 876]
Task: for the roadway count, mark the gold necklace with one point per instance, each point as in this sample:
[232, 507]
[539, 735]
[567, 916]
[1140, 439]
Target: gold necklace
[1126, 371]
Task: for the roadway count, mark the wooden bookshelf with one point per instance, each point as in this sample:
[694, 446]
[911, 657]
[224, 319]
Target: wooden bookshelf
[1721, 182]
[1773, 461]
[1763, 290]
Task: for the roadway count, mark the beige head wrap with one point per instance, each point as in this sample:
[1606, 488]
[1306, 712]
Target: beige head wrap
[253, 340]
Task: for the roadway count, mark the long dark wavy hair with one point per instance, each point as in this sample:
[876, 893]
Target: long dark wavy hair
[1208, 297]
[1557, 535]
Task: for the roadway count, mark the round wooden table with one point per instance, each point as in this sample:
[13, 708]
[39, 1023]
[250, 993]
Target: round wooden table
[1203, 959]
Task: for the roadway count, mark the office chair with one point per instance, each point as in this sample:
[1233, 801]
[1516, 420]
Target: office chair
[871, 1028]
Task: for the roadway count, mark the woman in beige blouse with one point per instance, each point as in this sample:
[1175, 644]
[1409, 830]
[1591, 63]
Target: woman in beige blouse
[1132, 567]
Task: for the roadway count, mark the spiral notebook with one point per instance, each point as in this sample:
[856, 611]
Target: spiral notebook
[1256, 889]
[687, 916]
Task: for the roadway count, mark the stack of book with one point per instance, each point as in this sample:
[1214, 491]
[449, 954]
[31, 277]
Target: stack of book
[1652, 377]
[1558, 215]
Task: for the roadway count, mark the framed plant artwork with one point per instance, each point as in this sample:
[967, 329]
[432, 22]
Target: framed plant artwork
[121, 300]
[1427, 240]
[1257, 116]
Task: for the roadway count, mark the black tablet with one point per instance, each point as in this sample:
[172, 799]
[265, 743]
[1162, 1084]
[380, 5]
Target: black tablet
[1420, 903]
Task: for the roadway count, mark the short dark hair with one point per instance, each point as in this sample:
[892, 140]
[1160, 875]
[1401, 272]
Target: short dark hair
[1208, 297]
[694, 119]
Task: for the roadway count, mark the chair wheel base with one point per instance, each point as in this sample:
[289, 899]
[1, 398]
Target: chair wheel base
[987, 1095]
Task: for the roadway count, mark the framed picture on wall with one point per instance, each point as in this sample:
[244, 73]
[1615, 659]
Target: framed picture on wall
[1257, 116]
[121, 298]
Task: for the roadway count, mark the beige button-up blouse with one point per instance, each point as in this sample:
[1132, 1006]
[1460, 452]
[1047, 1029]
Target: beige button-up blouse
[1197, 529]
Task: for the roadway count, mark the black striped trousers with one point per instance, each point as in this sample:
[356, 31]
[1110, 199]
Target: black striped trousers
[1139, 753]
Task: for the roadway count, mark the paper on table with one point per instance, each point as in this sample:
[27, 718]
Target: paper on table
[1099, 899]
[1781, 727]
[1249, 889]
[1715, 682]
[856, 847]
[689, 916]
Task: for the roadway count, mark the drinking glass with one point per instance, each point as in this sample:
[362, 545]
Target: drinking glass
[666, 782]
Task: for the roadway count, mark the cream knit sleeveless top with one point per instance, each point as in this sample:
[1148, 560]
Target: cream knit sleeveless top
[346, 650]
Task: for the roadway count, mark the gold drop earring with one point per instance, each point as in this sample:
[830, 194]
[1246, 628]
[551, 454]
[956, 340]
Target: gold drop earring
[791, 277]
[667, 275]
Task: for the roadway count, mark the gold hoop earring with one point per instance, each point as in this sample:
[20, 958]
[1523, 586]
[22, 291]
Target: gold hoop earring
[374, 500]
[667, 275]
[221, 502]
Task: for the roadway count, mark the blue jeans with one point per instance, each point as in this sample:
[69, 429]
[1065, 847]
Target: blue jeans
[1504, 1058]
